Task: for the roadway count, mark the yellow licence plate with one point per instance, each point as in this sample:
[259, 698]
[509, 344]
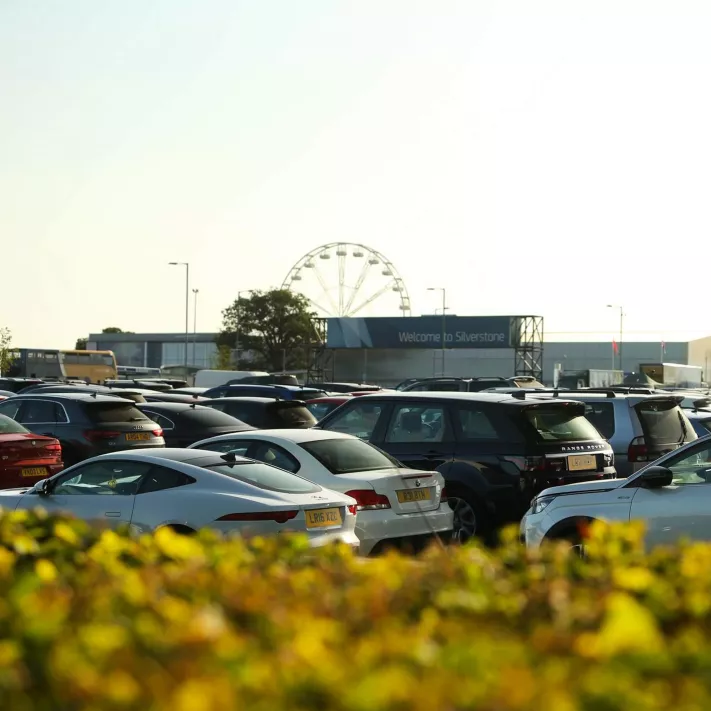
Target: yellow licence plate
[137, 436]
[34, 471]
[321, 518]
[582, 462]
[407, 496]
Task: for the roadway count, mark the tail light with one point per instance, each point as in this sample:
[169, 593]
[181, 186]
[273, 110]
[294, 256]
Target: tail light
[158, 433]
[278, 516]
[443, 495]
[54, 447]
[538, 464]
[637, 451]
[368, 500]
[98, 435]
[353, 509]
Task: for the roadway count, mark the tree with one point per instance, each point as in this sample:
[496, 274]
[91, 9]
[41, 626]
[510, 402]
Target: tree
[223, 358]
[5, 350]
[114, 329]
[275, 326]
[81, 344]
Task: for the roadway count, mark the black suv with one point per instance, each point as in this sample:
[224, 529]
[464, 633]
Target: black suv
[265, 413]
[85, 425]
[463, 385]
[495, 451]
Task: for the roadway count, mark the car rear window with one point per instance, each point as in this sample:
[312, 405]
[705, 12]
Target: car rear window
[320, 409]
[109, 412]
[559, 423]
[266, 477]
[602, 417]
[346, 456]
[9, 426]
[293, 415]
[209, 417]
[664, 422]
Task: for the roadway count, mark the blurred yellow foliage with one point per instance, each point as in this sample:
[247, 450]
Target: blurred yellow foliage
[104, 621]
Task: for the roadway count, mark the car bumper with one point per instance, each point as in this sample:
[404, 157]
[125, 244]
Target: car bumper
[533, 528]
[12, 477]
[376, 527]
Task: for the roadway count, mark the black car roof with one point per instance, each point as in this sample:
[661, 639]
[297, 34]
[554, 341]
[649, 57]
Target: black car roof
[170, 406]
[503, 398]
[247, 399]
[77, 397]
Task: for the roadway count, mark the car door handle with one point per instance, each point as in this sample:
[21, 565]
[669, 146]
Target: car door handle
[113, 514]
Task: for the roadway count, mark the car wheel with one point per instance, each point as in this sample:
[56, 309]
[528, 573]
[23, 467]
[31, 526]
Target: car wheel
[467, 520]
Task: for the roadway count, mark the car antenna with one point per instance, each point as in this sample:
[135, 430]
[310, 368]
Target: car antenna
[192, 405]
[94, 394]
[229, 457]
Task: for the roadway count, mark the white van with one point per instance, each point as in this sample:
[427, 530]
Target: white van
[213, 378]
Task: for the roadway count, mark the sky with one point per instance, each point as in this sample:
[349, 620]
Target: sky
[547, 157]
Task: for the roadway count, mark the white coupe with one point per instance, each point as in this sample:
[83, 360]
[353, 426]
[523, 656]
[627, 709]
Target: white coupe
[187, 490]
[398, 507]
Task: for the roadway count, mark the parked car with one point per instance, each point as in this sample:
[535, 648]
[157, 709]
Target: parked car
[264, 412]
[344, 387]
[184, 424]
[155, 385]
[187, 490]
[462, 385]
[45, 388]
[85, 425]
[495, 452]
[397, 507]
[671, 495]
[283, 392]
[174, 397]
[25, 456]
[189, 391]
[16, 384]
[700, 421]
[640, 428]
[319, 407]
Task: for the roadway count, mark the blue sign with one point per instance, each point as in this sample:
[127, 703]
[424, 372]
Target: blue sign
[420, 332]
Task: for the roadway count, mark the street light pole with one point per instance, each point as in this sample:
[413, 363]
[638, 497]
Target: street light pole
[187, 307]
[622, 317]
[195, 295]
[444, 323]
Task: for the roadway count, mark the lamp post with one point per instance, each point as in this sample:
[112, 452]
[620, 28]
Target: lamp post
[622, 317]
[444, 322]
[187, 307]
[195, 295]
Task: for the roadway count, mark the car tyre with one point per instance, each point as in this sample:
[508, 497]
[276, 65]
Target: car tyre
[470, 519]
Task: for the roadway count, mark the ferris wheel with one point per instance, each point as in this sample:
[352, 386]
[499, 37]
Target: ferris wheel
[346, 279]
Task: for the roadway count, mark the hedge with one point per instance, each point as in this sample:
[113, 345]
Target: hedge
[100, 620]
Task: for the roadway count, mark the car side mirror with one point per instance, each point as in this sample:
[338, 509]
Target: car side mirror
[655, 477]
[45, 487]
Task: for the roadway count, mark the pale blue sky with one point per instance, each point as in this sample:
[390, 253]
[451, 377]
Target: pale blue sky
[533, 157]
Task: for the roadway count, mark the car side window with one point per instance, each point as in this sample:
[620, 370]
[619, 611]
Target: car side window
[161, 478]
[274, 455]
[475, 424]
[11, 408]
[239, 447]
[163, 422]
[691, 467]
[107, 478]
[37, 411]
[417, 423]
[359, 419]
[602, 417]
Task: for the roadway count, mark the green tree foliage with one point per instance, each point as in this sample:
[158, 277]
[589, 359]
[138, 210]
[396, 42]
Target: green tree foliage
[5, 350]
[223, 358]
[81, 344]
[275, 325]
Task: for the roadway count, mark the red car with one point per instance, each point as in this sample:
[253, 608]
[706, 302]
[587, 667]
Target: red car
[26, 457]
[319, 407]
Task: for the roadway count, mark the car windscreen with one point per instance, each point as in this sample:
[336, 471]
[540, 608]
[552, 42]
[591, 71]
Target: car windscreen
[346, 456]
[9, 426]
[664, 422]
[266, 477]
[293, 416]
[207, 417]
[110, 413]
[320, 409]
[559, 423]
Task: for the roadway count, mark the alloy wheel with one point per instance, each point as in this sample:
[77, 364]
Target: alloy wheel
[464, 524]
